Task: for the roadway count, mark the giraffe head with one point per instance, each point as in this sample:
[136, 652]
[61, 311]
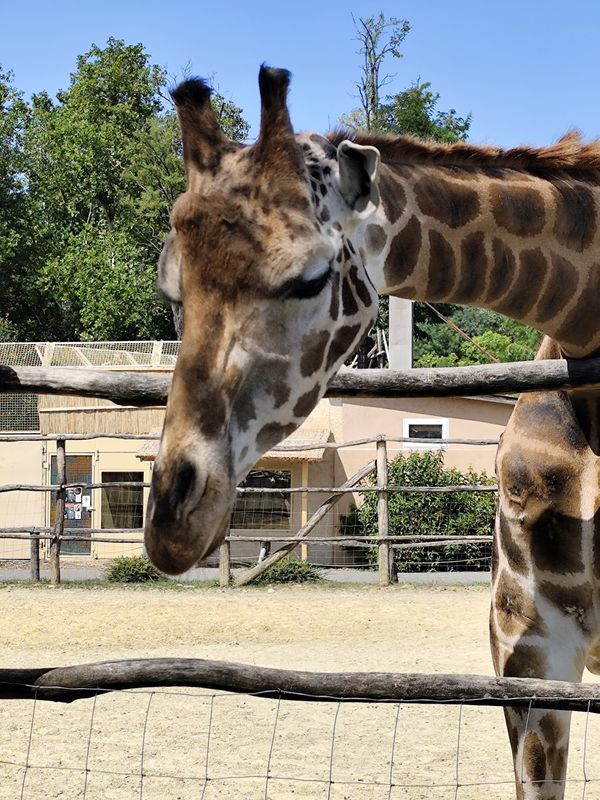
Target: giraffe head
[274, 296]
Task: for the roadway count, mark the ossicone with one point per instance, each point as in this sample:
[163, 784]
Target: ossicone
[273, 84]
[194, 92]
[203, 141]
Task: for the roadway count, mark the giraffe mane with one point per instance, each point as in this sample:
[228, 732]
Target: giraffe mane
[568, 155]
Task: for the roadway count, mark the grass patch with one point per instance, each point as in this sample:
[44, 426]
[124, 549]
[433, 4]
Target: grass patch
[290, 570]
[133, 569]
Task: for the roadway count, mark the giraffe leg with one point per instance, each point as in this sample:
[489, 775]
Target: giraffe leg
[539, 738]
[540, 744]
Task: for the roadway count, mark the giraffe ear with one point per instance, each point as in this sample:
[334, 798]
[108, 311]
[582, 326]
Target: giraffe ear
[358, 166]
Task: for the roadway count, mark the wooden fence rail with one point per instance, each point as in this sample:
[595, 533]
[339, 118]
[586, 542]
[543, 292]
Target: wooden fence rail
[66, 684]
[138, 389]
[386, 544]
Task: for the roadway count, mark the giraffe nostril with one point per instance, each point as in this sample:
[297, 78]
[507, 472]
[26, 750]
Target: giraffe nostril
[183, 484]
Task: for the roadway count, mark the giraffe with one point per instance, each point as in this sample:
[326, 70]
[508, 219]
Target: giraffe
[276, 254]
[546, 567]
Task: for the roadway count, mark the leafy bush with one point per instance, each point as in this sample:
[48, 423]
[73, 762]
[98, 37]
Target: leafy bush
[132, 569]
[428, 514]
[290, 570]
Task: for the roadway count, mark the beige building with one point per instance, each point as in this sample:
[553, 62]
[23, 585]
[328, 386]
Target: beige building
[116, 510]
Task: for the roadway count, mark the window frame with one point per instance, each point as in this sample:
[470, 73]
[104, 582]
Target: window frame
[435, 444]
[105, 491]
[270, 530]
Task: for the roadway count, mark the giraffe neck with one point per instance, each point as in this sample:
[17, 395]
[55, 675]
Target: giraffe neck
[524, 244]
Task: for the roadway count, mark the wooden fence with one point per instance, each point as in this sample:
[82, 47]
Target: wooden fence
[65, 684]
[136, 388]
[385, 542]
[139, 389]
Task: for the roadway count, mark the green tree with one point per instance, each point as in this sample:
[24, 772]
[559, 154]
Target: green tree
[379, 38]
[431, 514]
[435, 344]
[104, 167]
[414, 111]
[19, 296]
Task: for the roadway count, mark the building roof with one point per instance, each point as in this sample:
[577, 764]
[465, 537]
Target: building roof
[301, 445]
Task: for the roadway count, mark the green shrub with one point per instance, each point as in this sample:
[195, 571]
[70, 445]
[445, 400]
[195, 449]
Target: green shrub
[427, 514]
[132, 569]
[290, 570]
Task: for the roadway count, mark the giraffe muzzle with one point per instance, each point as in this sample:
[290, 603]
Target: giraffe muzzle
[188, 516]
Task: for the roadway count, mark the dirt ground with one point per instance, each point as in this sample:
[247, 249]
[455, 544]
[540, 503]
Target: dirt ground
[162, 745]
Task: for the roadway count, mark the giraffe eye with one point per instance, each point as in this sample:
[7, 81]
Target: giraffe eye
[305, 287]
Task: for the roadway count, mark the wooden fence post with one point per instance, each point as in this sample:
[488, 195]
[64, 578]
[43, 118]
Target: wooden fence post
[35, 556]
[386, 553]
[225, 564]
[59, 522]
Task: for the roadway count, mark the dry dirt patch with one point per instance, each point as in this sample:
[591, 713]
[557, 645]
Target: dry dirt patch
[165, 735]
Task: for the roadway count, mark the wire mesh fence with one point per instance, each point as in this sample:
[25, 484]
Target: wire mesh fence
[160, 744]
[19, 412]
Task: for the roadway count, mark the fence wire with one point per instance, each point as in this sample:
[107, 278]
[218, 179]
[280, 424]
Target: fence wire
[159, 744]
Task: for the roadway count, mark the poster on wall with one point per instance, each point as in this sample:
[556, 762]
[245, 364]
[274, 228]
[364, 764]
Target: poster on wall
[73, 510]
[73, 494]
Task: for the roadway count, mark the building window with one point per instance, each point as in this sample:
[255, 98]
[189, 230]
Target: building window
[264, 510]
[122, 506]
[430, 429]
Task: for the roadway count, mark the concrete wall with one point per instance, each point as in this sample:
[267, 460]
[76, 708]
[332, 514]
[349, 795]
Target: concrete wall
[21, 462]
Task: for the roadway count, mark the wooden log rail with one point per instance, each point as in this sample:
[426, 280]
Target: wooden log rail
[66, 684]
[138, 389]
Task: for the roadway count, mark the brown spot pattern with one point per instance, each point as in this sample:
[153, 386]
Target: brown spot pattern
[442, 267]
[502, 270]
[452, 203]
[552, 412]
[273, 433]
[526, 661]
[313, 352]
[556, 543]
[212, 411]
[515, 610]
[334, 306]
[404, 253]
[517, 209]
[364, 295]
[522, 294]
[583, 317]
[276, 383]
[375, 238]
[349, 304]
[341, 344]
[515, 556]
[550, 728]
[563, 284]
[574, 601]
[307, 402]
[244, 410]
[392, 194]
[575, 224]
[534, 758]
[473, 269]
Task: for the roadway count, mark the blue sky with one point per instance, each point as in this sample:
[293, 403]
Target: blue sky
[526, 69]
